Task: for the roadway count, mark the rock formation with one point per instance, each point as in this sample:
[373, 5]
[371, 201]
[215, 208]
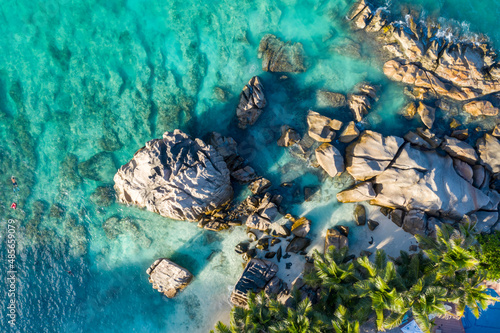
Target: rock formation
[321, 128]
[168, 277]
[330, 159]
[176, 177]
[252, 101]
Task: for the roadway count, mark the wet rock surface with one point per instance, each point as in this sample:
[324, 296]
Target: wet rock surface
[176, 177]
[252, 103]
[279, 56]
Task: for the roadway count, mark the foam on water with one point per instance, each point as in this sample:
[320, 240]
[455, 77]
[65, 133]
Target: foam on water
[79, 78]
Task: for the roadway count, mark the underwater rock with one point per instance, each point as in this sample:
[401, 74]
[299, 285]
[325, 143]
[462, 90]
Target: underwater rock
[278, 56]
[330, 159]
[288, 136]
[252, 101]
[427, 114]
[57, 211]
[360, 192]
[301, 227]
[115, 226]
[489, 151]
[335, 238]
[100, 167]
[349, 133]
[330, 99]
[69, 179]
[321, 128]
[260, 185]
[176, 177]
[255, 277]
[225, 146]
[360, 215]
[372, 225]
[168, 277]
[103, 196]
[480, 108]
[110, 141]
[371, 154]
[460, 150]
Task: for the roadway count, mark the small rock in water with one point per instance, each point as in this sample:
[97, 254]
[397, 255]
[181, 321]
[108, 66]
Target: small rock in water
[278, 254]
[301, 227]
[252, 236]
[372, 224]
[321, 128]
[168, 277]
[288, 265]
[252, 101]
[349, 133]
[287, 255]
[288, 136]
[336, 239]
[385, 211]
[242, 247]
[263, 243]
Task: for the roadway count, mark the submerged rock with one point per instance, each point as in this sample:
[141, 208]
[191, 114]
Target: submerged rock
[330, 159]
[252, 101]
[288, 136]
[360, 215]
[168, 277]
[278, 56]
[103, 196]
[100, 167]
[255, 277]
[260, 185]
[176, 177]
[330, 99]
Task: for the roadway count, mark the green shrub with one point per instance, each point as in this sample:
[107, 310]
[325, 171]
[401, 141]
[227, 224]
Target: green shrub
[490, 256]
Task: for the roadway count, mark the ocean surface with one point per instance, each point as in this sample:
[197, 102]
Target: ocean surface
[94, 80]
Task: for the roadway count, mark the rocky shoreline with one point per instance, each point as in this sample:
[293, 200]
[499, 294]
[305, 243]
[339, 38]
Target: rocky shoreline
[420, 181]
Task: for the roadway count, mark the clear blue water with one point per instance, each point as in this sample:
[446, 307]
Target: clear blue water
[487, 322]
[81, 77]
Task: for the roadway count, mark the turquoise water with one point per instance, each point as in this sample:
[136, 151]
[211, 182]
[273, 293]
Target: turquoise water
[81, 78]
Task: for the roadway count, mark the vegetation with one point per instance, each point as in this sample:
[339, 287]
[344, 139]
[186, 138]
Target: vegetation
[449, 269]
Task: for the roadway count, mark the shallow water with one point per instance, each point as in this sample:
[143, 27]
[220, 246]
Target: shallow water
[78, 78]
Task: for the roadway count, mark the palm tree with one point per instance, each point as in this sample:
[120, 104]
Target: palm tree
[468, 292]
[342, 323]
[383, 286]
[452, 250]
[336, 279]
[412, 267]
[298, 318]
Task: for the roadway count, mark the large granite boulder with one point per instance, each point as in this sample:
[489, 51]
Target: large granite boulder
[177, 177]
[322, 128]
[489, 151]
[371, 154]
[278, 56]
[349, 133]
[359, 105]
[168, 277]
[330, 159]
[252, 101]
[255, 277]
[459, 149]
[264, 215]
[427, 114]
[360, 192]
[426, 181]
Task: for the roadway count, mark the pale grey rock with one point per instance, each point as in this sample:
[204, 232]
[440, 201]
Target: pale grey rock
[417, 140]
[489, 151]
[429, 137]
[360, 192]
[427, 181]
[176, 177]
[479, 176]
[359, 106]
[225, 146]
[371, 154]
[322, 128]
[360, 15]
[255, 277]
[485, 221]
[252, 101]
[330, 159]
[168, 277]
[459, 149]
[349, 133]
[463, 169]
[288, 136]
[278, 56]
[264, 214]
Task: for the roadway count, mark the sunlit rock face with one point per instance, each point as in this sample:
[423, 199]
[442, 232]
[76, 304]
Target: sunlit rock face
[177, 177]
